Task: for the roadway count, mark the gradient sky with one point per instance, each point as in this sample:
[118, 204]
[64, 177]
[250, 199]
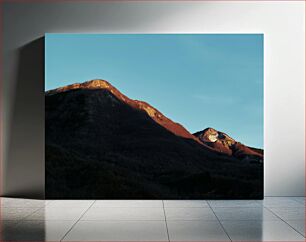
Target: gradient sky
[198, 80]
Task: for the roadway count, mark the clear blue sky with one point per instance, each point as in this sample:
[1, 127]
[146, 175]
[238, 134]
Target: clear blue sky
[198, 80]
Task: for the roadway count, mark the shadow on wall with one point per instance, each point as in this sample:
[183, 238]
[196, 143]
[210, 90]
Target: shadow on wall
[24, 168]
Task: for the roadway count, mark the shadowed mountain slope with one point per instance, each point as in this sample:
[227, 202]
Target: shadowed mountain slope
[157, 116]
[101, 144]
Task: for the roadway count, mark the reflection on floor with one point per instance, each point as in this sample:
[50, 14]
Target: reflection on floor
[274, 219]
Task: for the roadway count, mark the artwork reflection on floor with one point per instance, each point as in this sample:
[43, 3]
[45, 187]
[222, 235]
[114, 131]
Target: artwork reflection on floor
[138, 116]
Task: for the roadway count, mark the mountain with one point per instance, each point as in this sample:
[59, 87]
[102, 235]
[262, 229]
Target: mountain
[223, 143]
[157, 116]
[102, 144]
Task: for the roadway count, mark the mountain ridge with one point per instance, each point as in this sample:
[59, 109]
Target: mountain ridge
[98, 145]
[226, 145]
[155, 114]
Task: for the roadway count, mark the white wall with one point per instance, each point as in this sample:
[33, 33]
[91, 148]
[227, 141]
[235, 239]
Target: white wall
[283, 25]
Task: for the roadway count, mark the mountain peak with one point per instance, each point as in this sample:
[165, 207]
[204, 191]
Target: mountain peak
[97, 83]
[156, 115]
[93, 84]
[225, 144]
[211, 135]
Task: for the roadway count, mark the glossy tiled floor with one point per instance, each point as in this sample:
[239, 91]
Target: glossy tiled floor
[274, 219]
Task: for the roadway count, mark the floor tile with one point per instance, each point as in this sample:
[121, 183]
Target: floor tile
[289, 213]
[118, 231]
[16, 213]
[124, 214]
[70, 203]
[140, 220]
[281, 202]
[22, 203]
[300, 200]
[196, 231]
[298, 225]
[261, 231]
[235, 203]
[185, 203]
[244, 214]
[39, 230]
[189, 214]
[57, 214]
[128, 204]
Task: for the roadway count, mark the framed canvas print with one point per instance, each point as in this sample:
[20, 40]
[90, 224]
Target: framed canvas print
[154, 116]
